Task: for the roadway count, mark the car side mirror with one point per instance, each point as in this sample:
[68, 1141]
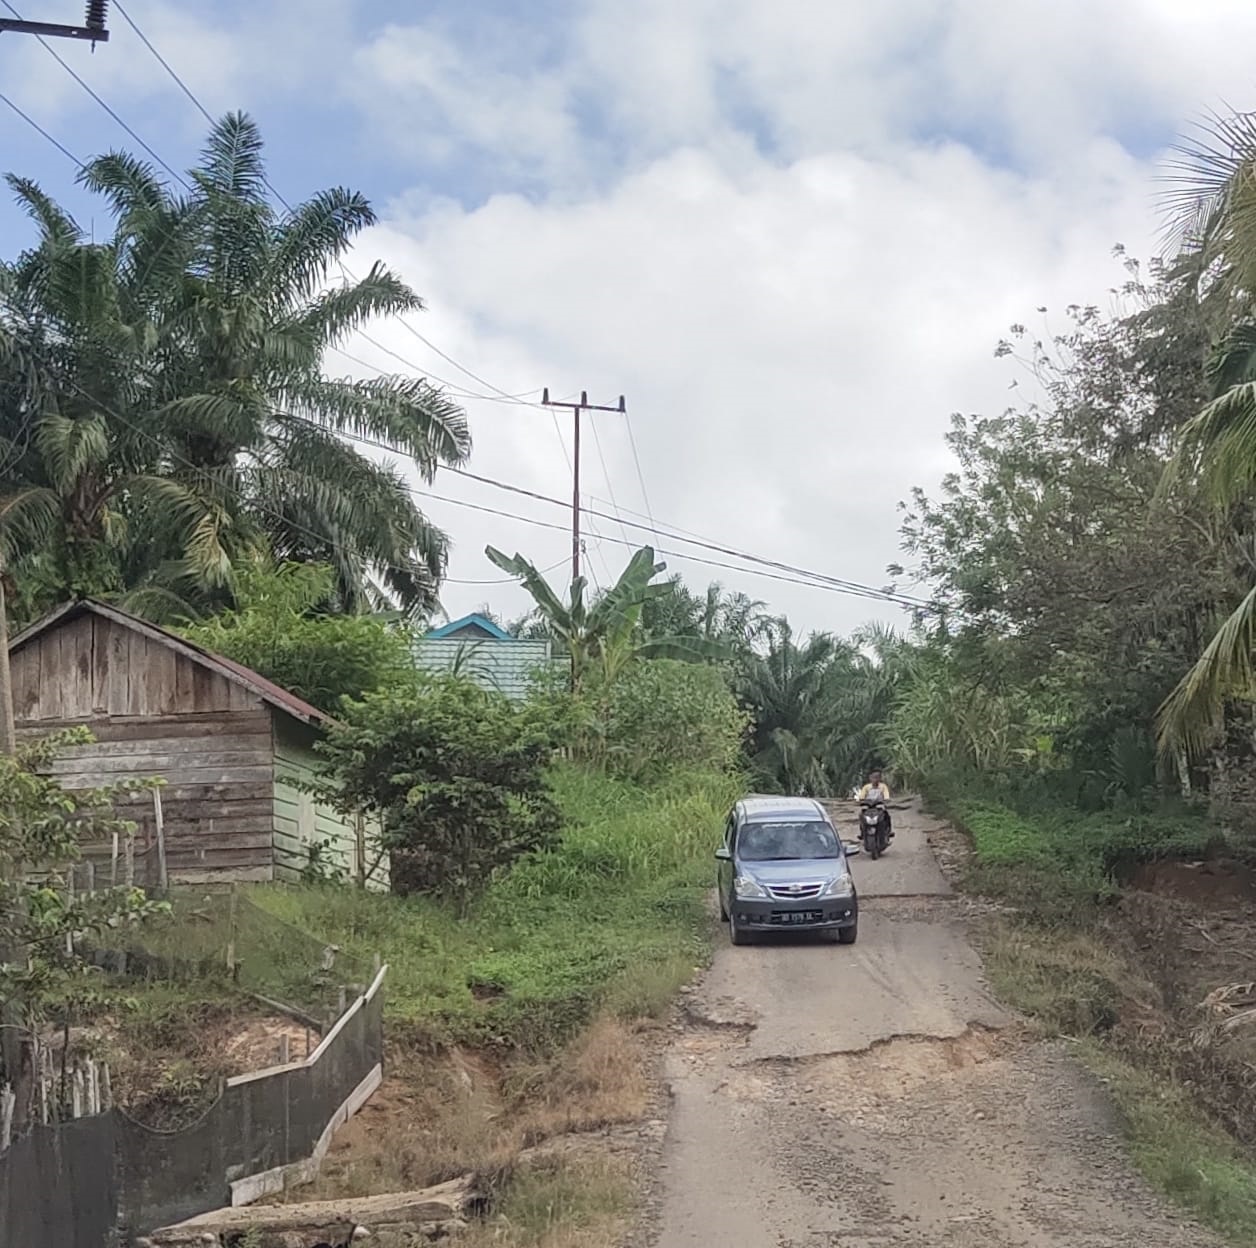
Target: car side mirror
[852, 848]
[723, 854]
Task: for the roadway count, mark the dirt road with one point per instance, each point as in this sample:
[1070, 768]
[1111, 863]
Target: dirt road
[876, 1096]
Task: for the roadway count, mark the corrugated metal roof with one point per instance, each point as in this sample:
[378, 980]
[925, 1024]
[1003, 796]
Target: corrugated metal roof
[506, 666]
[468, 622]
[265, 689]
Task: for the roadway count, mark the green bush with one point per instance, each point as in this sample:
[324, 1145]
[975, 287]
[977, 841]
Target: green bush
[456, 775]
[1049, 856]
[661, 714]
[277, 629]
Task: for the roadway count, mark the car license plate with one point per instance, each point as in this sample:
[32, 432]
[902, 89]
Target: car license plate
[798, 916]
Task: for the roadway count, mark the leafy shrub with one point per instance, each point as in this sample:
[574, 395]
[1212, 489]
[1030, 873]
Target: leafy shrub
[277, 629]
[456, 774]
[661, 714]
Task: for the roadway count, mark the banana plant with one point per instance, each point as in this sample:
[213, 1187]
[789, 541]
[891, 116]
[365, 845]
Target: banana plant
[602, 636]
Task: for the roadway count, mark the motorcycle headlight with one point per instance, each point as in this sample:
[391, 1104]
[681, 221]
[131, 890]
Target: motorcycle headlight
[745, 886]
[841, 886]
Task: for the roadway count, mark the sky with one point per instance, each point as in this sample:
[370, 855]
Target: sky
[789, 232]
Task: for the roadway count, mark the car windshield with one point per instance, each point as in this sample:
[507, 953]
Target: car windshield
[768, 842]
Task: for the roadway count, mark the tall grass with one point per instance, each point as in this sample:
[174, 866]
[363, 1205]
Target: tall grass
[612, 917]
[1049, 858]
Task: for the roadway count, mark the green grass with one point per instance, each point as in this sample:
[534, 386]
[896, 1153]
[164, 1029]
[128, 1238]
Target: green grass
[1179, 1150]
[612, 918]
[1051, 859]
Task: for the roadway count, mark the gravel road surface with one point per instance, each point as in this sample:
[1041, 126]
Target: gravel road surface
[876, 1096]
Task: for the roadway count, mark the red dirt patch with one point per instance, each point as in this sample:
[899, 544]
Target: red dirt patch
[1219, 883]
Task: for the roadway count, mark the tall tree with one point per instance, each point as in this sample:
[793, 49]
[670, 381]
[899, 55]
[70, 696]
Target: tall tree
[1215, 206]
[1063, 570]
[186, 355]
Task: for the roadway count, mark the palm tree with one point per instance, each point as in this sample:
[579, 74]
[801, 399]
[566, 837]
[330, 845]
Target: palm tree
[732, 619]
[1215, 218]
[789, 694]
[199, 359]
[820, 707]
[75, 413]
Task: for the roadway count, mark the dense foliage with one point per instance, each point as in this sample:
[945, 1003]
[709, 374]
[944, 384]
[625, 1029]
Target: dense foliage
[164, 412]
[282, 626]
[661, 714]
[456, 774]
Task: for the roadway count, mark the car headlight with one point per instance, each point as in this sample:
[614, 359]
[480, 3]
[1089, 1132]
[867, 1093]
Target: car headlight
[745, 886]
[841, 886]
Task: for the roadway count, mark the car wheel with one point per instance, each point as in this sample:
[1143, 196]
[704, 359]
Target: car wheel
[736, 933]
[848, 935]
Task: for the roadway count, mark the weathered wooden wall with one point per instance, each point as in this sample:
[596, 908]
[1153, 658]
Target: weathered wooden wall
[155, 712]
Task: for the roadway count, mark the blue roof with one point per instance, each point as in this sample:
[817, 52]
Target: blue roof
[472, 621]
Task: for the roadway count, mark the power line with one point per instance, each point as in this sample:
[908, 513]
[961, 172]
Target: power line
[838, 584]
[30, 121]
[69, 69]
[597, 442]
[183, 86]
[636, 459]
[458, 502]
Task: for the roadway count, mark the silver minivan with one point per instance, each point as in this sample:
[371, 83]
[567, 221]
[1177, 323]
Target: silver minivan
[783, 867]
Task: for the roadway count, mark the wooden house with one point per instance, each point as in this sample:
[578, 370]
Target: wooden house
[232, 747]
[484, 653]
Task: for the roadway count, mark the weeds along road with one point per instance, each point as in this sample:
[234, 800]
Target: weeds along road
[876, 1096]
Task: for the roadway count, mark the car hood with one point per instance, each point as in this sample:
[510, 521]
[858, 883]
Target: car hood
[794, 869]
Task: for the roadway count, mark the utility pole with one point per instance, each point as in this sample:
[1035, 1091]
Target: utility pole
[576, 408]
[92, 29]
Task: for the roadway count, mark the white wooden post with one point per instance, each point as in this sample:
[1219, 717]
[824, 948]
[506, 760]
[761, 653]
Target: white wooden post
[163, 879]
[8, 1103]
[113, 861]
[76, 1093]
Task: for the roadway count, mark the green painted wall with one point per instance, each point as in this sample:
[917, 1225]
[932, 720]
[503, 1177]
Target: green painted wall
[301, 821]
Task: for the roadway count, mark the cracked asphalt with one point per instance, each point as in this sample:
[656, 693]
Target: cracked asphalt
[877, 1096]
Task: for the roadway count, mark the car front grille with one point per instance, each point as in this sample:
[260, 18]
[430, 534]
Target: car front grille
[794, 892]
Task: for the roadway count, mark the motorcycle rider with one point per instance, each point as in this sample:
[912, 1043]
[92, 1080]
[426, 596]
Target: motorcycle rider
[876, 790]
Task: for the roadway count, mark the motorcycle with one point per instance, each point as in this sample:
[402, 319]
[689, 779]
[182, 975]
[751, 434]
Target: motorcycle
[874, 827]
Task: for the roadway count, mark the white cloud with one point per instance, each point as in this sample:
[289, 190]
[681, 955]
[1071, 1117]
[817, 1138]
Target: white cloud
[795, 273]
[791, 339]
[754, 218]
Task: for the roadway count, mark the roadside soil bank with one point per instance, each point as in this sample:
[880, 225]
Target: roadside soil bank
[878, 1095]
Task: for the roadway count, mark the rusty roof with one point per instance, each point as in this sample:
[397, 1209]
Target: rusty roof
[229, 669]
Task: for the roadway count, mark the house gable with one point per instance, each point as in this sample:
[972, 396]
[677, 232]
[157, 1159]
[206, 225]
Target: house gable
[470, 628]
[89, 660]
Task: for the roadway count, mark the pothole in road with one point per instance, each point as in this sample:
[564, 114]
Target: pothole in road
[888, 1071]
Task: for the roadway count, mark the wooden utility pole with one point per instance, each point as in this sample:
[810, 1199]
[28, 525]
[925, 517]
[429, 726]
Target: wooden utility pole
[576, 408]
